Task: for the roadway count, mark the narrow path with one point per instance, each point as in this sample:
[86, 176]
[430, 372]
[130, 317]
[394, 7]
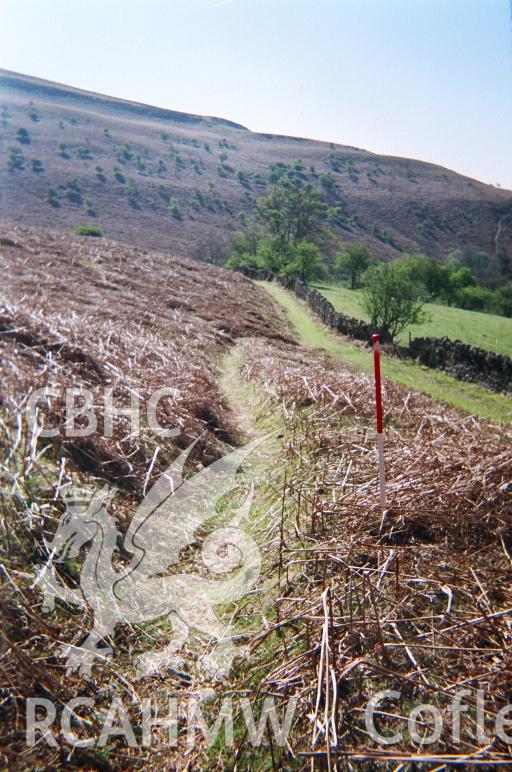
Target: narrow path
[252, 414]
[467, 396]
[498, 231]
[237, 393]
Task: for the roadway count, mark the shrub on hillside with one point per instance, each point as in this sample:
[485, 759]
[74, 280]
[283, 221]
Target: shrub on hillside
[89, 230]
[23, 137]
[163, 193]
[174, 209]
[73, 192]
[52, 197]
[32, 113]
[37, 165]
[131, 192]
[84, 153]
[124, 153]
[326, 181]
[15, 158]
[89, 207]
[242, 178]
[99, 174]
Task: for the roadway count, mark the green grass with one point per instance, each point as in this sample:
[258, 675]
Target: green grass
[89, 230]
[466, 396]
[487, 331]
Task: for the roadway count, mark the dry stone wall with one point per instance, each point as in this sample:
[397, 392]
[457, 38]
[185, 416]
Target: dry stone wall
[462, 361]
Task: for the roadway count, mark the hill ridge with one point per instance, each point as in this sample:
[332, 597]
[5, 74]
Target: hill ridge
[54, 88]
[187, 183]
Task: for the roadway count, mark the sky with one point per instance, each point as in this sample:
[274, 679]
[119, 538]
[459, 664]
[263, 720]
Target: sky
[427, 79]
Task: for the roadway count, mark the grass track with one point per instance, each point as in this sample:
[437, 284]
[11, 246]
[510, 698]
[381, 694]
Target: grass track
[466, 396]
[487, 331]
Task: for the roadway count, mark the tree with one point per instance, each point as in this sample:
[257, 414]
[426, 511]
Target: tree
[391, 300]
[430, 274]
[287, 232]
[243, 245]
[251, 250]
[463, 277]
[353, 261]
[504, 297]
[292, 212]
[477, 299]
[481, 263]
[457, 281]
[305, 261]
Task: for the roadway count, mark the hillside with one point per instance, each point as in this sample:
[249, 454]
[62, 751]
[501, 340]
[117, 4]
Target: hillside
[161, 179]
[350, 600]
[99, 316]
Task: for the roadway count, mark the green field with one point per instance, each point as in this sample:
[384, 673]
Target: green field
[467, 396]
[488, 331]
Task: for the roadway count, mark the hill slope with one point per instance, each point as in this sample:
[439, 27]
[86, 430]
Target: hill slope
[343, 590]
[163, 179]
[101, 316]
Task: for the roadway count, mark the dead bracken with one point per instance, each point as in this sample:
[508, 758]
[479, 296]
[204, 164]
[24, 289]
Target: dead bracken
[416, 599]
[353, 600]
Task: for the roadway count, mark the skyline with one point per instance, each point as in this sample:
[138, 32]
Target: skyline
[418, 80]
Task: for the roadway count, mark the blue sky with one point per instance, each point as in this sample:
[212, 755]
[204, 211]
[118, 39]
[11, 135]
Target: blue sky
[428, 79]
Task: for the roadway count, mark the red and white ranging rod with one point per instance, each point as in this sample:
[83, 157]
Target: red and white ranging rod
[378, 409]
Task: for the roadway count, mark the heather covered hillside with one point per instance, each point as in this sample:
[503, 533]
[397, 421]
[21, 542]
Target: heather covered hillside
[184, 183]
